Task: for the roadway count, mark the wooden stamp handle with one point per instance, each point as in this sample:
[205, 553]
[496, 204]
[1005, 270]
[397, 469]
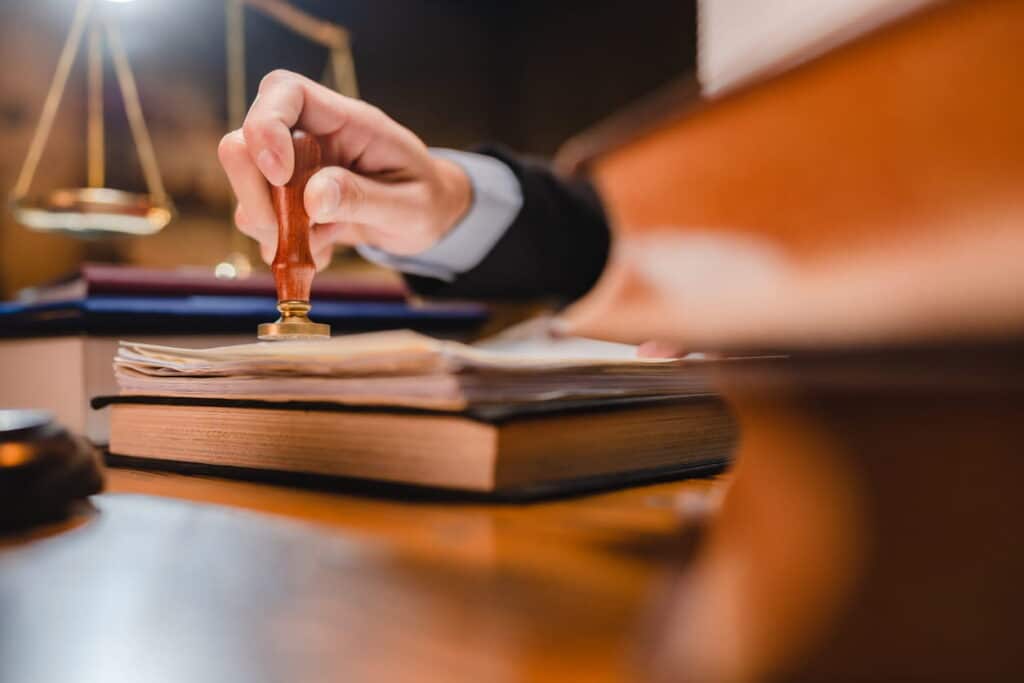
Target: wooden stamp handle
[293, 265]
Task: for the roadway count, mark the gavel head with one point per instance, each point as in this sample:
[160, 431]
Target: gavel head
[293, 265]
[44, 470]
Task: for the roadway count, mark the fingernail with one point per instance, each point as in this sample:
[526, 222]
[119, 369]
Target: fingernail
[270, 166]
[330, 198]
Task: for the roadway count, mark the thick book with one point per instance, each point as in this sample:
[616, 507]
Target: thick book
[104, 279]
[521, 450]
[403, 408]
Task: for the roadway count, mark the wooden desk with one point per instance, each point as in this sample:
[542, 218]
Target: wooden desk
[326, 586]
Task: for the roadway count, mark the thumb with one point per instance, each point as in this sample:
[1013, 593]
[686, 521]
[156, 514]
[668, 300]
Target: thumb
[337, 195]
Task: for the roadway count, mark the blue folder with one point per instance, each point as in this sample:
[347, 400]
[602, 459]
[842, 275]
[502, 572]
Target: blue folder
[118, 315]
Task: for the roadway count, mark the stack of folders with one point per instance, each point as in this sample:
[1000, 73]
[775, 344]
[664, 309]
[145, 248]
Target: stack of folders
[405, 408]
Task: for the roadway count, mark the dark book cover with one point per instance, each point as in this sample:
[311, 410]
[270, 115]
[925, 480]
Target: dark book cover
[120, 315]
[104, 279]
[495, 415]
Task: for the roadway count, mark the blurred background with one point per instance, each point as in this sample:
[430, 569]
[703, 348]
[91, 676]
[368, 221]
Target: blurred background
[527, 74]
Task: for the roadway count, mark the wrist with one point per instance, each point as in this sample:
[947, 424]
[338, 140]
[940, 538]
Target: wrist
[454, 198]
[471, 204]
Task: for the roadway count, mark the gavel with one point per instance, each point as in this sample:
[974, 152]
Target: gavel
[44, 469]
[293, 265]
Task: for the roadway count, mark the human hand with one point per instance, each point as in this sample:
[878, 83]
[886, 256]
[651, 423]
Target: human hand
[660, 349]
[379, 185]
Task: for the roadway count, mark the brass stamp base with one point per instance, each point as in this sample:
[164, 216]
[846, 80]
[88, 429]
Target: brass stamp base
[293, 325]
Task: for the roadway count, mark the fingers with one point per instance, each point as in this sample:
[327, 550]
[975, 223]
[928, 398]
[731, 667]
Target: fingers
[336, 195]
[287, 100]
[252, 191]
[267, 126]
[660, 349]
[322, 239]
[259, 232]
[256, 217]
[322, 258]
[268, 250]
[322, 236]
[323, 194]
[260, 222]
[375, 190]
[351, 234]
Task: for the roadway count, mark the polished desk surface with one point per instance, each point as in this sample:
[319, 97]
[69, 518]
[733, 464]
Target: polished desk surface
[172, 577]
[870, 529]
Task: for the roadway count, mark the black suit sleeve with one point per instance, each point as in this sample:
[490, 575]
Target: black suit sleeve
[556, 247]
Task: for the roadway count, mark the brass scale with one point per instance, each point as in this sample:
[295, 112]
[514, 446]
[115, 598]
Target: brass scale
[97, 210]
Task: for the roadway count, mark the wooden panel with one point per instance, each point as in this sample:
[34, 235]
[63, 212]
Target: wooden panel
[869, 197]
[917, 128]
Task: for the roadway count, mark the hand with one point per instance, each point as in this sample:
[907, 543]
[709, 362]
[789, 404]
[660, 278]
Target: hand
[379, 184]
[660, 349]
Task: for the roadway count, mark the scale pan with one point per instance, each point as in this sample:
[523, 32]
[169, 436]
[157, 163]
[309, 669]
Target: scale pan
[93, 212]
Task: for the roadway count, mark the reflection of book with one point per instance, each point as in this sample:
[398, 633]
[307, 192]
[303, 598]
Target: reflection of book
[405, 408]
[94, 279]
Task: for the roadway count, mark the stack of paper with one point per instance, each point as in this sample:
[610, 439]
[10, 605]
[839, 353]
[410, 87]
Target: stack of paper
[406, 369]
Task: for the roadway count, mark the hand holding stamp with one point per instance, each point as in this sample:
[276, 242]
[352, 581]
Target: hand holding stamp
[293, 265]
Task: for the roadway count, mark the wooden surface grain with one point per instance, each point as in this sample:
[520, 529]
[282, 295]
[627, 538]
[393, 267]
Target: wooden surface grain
[274, 583]
[469, 530]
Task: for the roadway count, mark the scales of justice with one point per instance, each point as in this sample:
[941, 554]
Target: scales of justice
[97, 210]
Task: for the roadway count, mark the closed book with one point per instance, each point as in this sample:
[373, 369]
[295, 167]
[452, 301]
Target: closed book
[520, 450]
[399, 407]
